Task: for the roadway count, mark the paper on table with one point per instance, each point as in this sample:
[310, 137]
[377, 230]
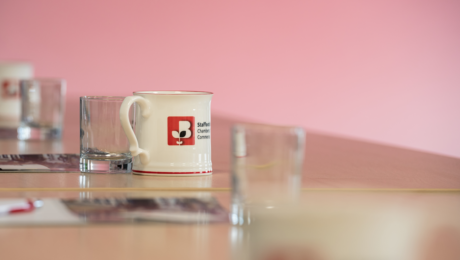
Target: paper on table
[53, 212]
[164, 209]
[15, 167]
[39, 163]
[118, 210]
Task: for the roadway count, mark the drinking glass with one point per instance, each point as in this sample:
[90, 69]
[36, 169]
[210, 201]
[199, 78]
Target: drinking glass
[339, 225]
[10, 102]
[42, 109]
[104, 147]
[266, 168]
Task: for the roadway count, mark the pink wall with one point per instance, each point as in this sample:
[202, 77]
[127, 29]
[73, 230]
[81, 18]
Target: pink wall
[386, 71]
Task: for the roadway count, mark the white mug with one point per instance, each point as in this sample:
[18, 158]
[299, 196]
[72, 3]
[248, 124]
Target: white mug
[172, 132]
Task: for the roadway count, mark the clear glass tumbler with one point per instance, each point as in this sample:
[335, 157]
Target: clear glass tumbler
[267, 166]
[104, 147]
[10, 102]
[42, 109]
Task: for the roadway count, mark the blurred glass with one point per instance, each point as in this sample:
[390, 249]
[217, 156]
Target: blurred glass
[10, 102]
[42, 109]
[336, 225]
[266, 168]
[104, 147]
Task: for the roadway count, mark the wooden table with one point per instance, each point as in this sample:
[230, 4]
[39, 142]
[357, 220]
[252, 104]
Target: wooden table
[335, 169]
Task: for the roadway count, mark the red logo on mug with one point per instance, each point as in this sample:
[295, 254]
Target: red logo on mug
[10, 89]
[180, 130]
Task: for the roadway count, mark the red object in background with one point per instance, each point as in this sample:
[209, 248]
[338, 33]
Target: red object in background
[18, 207]
[173, 126]
[10, 89]
[22, 208]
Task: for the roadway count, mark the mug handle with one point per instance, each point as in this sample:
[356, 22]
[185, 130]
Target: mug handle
[124, 120]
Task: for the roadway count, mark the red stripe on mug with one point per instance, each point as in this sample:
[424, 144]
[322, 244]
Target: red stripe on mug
[171, 172]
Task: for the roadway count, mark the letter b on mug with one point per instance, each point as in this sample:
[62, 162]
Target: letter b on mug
[180, 130]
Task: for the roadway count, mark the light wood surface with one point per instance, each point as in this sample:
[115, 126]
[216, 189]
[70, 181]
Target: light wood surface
[116, 242]
[431, 214]
[335, 170]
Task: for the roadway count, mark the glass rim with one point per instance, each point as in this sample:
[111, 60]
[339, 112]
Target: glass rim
[104, 98]
[264, 125]
[14, 62]
[173, 92]
[42, 80]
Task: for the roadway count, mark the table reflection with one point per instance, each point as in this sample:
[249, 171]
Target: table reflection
[352, 225]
